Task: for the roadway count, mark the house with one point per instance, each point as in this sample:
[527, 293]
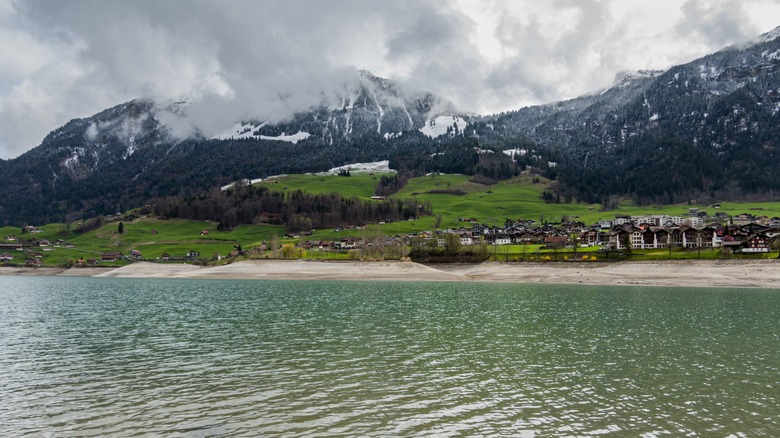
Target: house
[502, 240]
[756, 244]
[349, 242]
[694, 221]
[621, 220]
[204, 232]
[134, 253]
[466, 239]
[11, 246]
[5, 257]
[111, 256]
[165, 256]
[555, 241]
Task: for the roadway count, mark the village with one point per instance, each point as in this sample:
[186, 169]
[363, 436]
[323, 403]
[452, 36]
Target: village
[741, 234]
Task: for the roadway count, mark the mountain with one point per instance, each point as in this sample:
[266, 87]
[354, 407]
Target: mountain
[123, 156]
[369, 105]
[708, 129]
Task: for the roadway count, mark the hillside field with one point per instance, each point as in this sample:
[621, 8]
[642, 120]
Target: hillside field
[452, 196]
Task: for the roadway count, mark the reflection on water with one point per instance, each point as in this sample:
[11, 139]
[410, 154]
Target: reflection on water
[83, 356]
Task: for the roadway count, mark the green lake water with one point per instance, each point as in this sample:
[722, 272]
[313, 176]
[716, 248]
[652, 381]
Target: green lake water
[128, 357]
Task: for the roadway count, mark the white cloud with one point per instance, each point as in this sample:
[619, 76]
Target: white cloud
[247, 59]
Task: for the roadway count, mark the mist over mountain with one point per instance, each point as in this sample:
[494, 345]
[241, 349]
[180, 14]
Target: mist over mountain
[708, 128]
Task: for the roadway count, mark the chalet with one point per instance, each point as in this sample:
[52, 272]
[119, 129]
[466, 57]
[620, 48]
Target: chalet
[721, 216]
[32, 262]
[43, 242]
[5, 257]
[309, 244]
[756, 244]
[111, 256]
[555, 241]
[349, 243]
[11, 246]
[466, 239]
[621, 220]
[743, 219]
[204, 232]
[134, 253]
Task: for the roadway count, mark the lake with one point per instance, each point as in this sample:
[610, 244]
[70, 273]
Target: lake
[97, 357]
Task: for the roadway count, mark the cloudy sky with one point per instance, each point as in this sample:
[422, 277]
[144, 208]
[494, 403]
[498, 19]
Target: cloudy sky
[61, 60]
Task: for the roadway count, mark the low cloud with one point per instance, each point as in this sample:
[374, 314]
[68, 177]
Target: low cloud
[242, 59]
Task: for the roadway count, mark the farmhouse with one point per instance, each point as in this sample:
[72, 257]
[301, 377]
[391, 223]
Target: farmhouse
[111, 256]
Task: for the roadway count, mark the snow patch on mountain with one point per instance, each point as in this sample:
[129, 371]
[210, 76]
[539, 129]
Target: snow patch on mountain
[373, 167]
[239, 131]
[438, 126]
[291, 138]
[515, 152]
[245, 181]
[244, 130]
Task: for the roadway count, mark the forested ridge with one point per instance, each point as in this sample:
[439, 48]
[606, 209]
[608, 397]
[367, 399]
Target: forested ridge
[298, 211]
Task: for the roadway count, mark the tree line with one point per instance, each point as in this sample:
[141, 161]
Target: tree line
[298, 211]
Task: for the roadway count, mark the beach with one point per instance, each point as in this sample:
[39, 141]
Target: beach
[694, 273]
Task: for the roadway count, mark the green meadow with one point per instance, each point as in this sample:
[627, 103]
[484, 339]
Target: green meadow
[152, 237]
[361, 185]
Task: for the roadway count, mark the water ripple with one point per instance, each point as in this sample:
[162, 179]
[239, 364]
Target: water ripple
[98, 357]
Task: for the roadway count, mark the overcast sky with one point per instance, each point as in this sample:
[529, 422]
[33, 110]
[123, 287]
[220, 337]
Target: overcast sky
[61, 60]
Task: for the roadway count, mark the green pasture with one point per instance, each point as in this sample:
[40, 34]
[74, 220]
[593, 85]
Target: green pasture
[516, 198]
[153, 237]
[359, 185]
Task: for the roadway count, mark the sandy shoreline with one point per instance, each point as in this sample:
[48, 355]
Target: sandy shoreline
[705, 273]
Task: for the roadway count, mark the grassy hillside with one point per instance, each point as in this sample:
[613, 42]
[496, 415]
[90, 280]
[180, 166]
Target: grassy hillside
[360, 185]
[452, 197]
[174, 237]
